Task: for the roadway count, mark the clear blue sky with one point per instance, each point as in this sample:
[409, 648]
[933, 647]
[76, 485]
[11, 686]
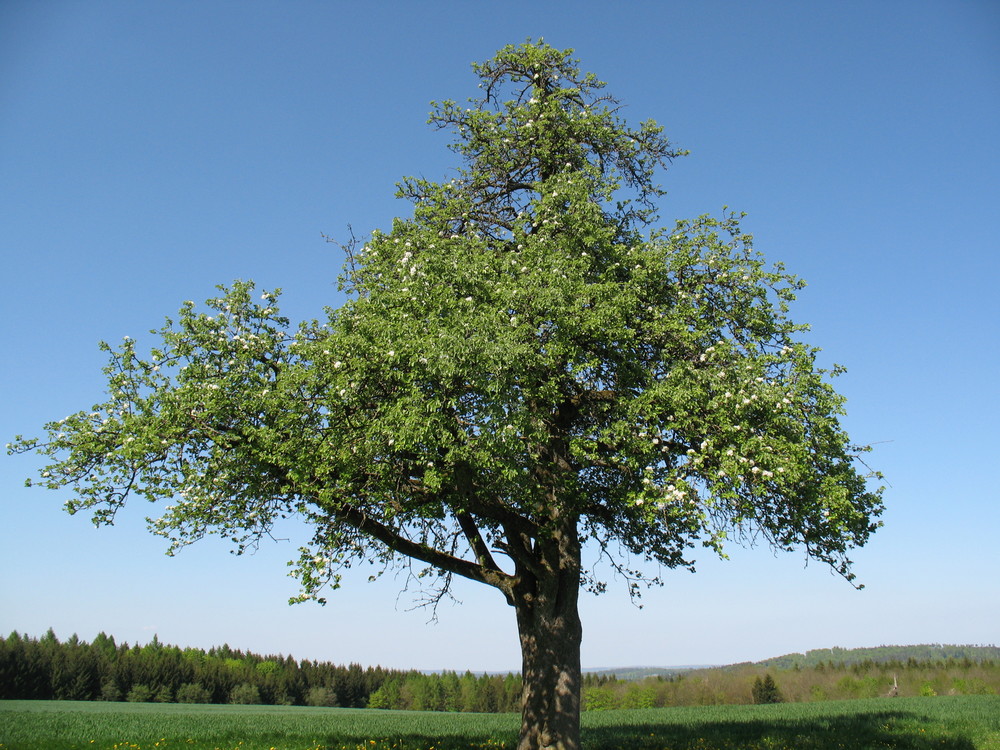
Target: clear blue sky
[149, 151]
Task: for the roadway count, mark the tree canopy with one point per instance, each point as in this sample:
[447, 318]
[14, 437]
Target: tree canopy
[522, 367]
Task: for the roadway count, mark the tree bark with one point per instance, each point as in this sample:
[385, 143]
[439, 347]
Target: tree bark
[548, 621]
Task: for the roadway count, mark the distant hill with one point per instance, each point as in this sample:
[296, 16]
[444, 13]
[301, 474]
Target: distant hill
[639, 673]
[879, 654]
[847, 656]
[819, 675]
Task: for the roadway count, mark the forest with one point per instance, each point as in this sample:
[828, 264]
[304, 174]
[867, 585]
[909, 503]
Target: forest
[757, 683]
[921, 653]
[49, 669]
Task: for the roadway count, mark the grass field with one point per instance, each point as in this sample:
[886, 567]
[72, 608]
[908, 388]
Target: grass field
[945, 723]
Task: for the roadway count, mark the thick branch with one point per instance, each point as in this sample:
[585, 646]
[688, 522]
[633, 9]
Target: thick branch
[476, 542]
[395, 541]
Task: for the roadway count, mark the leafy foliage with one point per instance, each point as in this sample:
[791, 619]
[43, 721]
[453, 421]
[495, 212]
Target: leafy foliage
[518, 355]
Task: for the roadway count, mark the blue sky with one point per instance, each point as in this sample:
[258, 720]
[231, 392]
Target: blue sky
[149, 151]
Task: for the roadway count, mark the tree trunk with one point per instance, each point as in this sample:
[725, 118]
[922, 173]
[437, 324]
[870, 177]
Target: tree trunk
[548, 622]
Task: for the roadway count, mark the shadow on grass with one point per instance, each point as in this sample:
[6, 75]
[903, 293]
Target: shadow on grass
[901, 730]
[895, 730]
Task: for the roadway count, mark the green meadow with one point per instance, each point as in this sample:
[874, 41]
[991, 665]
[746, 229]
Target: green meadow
[944, 723]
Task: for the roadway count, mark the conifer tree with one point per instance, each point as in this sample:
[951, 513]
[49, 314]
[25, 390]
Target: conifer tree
[766, 690]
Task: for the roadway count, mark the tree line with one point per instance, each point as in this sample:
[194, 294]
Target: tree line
[49, 669]
[926, 652]
[757, 683]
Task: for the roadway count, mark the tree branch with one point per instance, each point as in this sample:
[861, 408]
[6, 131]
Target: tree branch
[476, 541]
[358, 519]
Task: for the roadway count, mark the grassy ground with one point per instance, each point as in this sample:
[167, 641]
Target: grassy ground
[945, 723]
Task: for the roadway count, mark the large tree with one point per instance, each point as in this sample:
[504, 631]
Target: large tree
[522, 368]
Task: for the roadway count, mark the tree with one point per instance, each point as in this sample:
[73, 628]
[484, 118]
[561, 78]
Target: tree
[140, 694]
[245, 694]
[765, 690]
[191, 692]
[321, 696]
[523, 367]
